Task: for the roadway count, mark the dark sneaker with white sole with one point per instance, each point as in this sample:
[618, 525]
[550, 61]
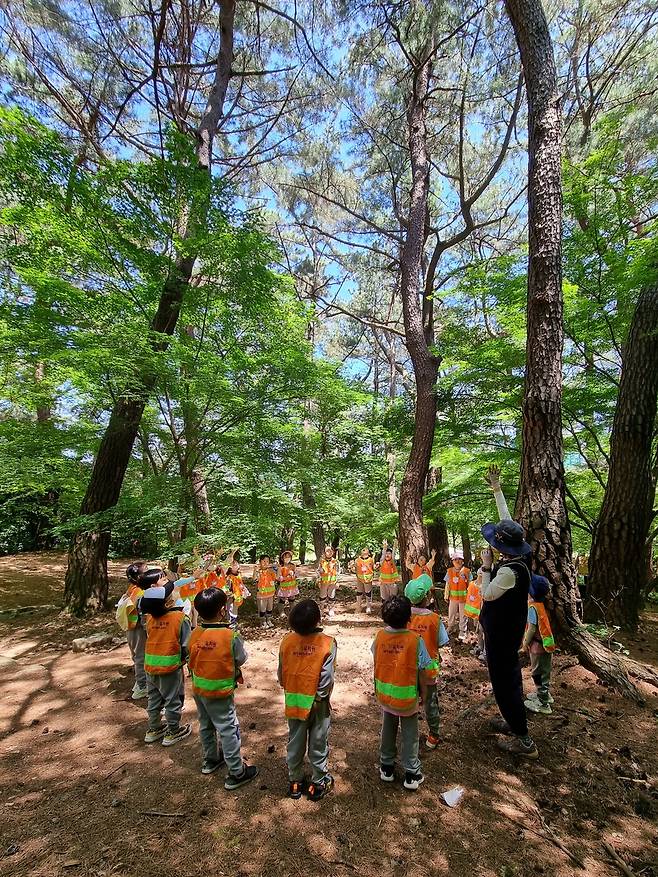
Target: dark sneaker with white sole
[500, 726]
[234, 781]
[296, 789]
[518, 746]
[386, 773]
[413, 780]
[172, 737]
[319, 790]
[155, 734]
[211, 766]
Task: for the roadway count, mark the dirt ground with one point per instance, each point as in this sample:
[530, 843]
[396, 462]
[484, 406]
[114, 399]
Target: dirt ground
[76, 780]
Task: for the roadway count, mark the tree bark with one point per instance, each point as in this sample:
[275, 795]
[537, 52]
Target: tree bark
[466, 545]
[86, 581]
[317, 530]
[413, 536]
[541, 505]
[618, 558]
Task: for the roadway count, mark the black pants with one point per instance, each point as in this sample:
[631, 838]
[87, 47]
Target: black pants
[505, 675]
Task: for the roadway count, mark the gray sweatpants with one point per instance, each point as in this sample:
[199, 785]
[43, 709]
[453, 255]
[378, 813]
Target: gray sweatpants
[165, 691]
[219, 731]
[137, 645]
[409, 733]
[312, 734]
[431, 702]
[540, 670]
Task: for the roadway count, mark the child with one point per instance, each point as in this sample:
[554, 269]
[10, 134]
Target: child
[235, 589]
[401, 661]
[429, 626]
[135, 633]
[167, 638]
[306, 672]
[472, 609]
[266, 588]
[288, 589]
[388, 573]
[538, 641]
[216, 655]
[423, 566]
[328, 575]
[365, 573]
[457, 579]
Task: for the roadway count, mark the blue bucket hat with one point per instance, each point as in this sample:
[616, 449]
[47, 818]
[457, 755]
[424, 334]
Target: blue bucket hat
[507, 536]
[539, 586]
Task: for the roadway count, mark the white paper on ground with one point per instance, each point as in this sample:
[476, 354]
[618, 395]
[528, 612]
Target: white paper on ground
[453, 796]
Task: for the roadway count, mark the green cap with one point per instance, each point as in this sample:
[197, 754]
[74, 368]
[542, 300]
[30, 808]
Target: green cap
[419, 588]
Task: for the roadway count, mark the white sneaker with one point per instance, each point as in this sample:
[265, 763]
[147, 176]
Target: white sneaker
[138, 693]
[332, 614]
[461, 638]
[534, 696]
[536, 706]
[368, 609]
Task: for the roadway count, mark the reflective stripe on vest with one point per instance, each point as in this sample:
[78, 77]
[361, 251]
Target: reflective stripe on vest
[473, 601]
[328, 572]
[212, 662]
[365, 569]
[132, 615]
[301, 659]
[266, 583]
[426, 625]
[458, 582]
[545, 631]
[163, 653]
[396, 669]
[233, 588]
[388, 573]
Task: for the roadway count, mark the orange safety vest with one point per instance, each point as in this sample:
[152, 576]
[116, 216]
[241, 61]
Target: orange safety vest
[426, 625]
[328, 571]
[396, 670]
[233, 587]
[365, 569]
[287, 574]
[266, 582]
[189, 591]
[301, 659]
[163, 652]
[388, 573]
[545, 630]
[458, 583]
[473, 601]
[134, 592]
[421, 570]
[212, 662]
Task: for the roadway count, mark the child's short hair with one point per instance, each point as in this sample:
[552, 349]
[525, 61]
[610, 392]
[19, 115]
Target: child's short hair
[149, 578]
[264, 557]
[209, 603]
[135, 570]
[304, 617]
[396, 612]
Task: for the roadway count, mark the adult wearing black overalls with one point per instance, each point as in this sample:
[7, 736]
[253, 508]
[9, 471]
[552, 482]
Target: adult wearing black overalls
[503, 618]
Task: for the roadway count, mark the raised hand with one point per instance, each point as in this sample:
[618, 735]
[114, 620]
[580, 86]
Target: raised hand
[493, 476]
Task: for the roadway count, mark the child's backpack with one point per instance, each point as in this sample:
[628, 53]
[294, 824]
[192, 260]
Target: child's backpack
[124, 606]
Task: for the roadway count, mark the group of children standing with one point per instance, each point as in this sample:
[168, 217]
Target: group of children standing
[165, 636]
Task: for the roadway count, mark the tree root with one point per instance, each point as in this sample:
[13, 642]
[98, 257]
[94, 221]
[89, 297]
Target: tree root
[612, 669]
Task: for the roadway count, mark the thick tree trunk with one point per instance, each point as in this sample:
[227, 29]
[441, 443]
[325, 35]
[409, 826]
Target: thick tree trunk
[302, 547]
[86, 577]
[317, 529]
[466, 546]
[541, 503]
[618, 558]
[413, 536]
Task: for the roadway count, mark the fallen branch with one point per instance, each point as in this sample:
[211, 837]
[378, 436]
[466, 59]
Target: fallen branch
[617, 860]
[159, 813]
[548, 835]
[341, 862]
[107, 776]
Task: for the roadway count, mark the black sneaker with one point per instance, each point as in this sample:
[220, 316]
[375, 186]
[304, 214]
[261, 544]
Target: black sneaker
[319, 790]
[413, 780]
[211, 766]
[387, 772]
[295, 789]
[500, 726]
[234, 782]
